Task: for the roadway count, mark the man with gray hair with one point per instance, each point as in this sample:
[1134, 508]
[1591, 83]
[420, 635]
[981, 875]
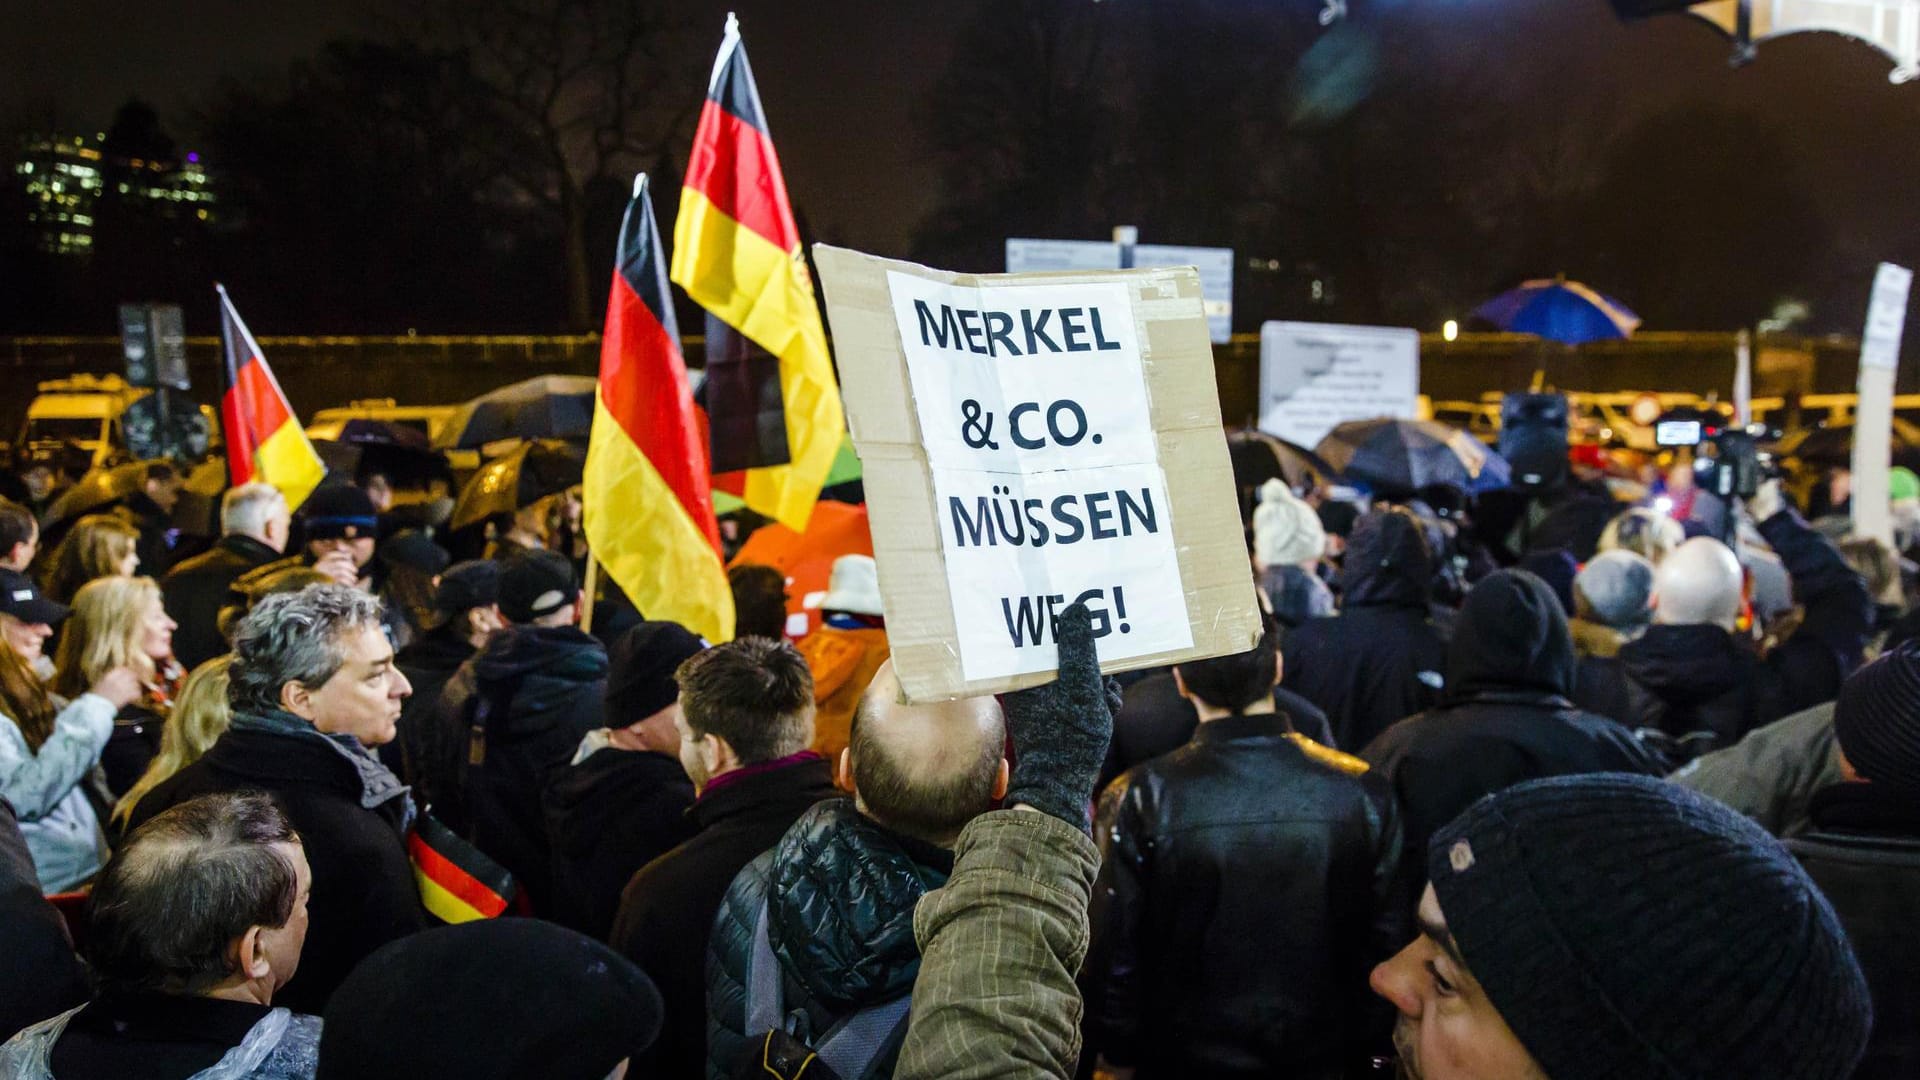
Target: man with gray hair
[254, 521]
[195, 925]
[1696, 682]
[313, 686]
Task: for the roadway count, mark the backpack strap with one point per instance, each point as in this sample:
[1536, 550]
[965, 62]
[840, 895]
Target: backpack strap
[765, 1007]
[852, 1045]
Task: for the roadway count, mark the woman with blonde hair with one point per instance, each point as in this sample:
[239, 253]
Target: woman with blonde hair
[98, 545]
[121, 622]
[49, 747]
[199, 716]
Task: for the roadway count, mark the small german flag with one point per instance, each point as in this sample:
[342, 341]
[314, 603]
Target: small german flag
[458, 883]
[264, 439]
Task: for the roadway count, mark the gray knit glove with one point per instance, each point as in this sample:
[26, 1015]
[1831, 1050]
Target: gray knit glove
[1061, 730]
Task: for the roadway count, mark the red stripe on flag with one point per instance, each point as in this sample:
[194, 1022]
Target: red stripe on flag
[444, 872]
[252, 411]
[734, 166]
[639, 382]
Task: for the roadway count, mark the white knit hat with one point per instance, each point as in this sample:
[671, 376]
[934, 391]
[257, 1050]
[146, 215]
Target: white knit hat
[853, 587]
[1286, 531]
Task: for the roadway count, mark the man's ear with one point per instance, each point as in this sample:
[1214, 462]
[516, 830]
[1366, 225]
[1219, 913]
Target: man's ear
[297, 699]
[251, 950]
[1000, 780]
[843, 770]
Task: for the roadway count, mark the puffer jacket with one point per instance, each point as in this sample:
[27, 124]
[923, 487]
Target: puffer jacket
[1506, 716]
[1381, 658]
[843, 891]
[1249, 882]
[511, 715]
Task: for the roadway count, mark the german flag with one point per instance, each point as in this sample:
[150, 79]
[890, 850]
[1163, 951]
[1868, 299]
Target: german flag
[264, 439]
[736, 251]
[457, 883]
[649, 507]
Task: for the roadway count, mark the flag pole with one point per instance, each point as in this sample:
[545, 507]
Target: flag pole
[587, 591]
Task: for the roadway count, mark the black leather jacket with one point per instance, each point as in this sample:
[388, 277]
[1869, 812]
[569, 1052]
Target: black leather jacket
[1247, 888]
[1864, 853]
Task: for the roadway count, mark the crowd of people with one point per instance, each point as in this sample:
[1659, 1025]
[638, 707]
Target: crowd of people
[1558, 787]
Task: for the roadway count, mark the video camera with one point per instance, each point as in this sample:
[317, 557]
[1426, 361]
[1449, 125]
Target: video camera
[1727, 460]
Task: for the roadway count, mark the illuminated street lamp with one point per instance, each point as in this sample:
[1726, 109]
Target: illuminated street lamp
[1450, 330]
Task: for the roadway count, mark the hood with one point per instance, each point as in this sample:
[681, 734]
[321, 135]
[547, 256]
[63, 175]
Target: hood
[840, 913]
[1684, 665]
[1387, 563]
[1510, 636]
[560, 652]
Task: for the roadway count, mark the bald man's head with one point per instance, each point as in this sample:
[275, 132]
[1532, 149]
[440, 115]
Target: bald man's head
[1698, 583]
[925, 770]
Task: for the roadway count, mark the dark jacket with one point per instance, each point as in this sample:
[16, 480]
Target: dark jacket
[196, 590]
[43, 978]
[364, 893]
[1506, 716]
[607, 816]
[513, 713]
[1703, 688]
[1154, 719]
[155, 1035]
[667, 910]
[134, 744]
[1864, 853]
[429, 663]
[1246, 891]
[840, 922]
[1381, 658]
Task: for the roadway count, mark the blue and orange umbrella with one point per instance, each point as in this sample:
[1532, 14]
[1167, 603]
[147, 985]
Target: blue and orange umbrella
[1560, 310]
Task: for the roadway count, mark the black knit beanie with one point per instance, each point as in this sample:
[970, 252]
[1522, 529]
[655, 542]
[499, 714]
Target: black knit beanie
[1877, 719]
[1627, 928]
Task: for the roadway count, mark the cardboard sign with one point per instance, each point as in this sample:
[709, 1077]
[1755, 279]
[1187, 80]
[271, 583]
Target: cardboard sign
[1316, 376]
[1030, 440]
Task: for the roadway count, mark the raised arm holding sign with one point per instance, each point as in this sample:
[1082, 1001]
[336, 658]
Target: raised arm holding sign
[1031, 441]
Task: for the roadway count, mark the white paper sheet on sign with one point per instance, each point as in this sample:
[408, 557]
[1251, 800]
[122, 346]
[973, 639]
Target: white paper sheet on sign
[1047, 482]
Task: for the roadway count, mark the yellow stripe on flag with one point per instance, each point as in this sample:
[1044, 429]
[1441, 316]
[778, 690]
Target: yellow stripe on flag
[642, 534]
[443, 905]
[288, 461]
[766, 294]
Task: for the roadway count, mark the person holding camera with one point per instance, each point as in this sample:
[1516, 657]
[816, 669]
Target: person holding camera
[1696, 683]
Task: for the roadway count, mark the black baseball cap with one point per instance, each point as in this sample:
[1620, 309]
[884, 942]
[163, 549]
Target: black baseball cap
[467, 585]
[535, 584]
[21, 598]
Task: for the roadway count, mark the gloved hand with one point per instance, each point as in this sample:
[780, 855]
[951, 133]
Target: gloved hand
[1061, 730]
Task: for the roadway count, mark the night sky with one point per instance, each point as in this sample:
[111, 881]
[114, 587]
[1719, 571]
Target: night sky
[840, 79]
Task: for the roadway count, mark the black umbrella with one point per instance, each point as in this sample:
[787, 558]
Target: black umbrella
[1833, 445]
[404, 454]
[99, 488]
[1259, 457]
[1399, 457]
[530, 473]
[546, 407]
